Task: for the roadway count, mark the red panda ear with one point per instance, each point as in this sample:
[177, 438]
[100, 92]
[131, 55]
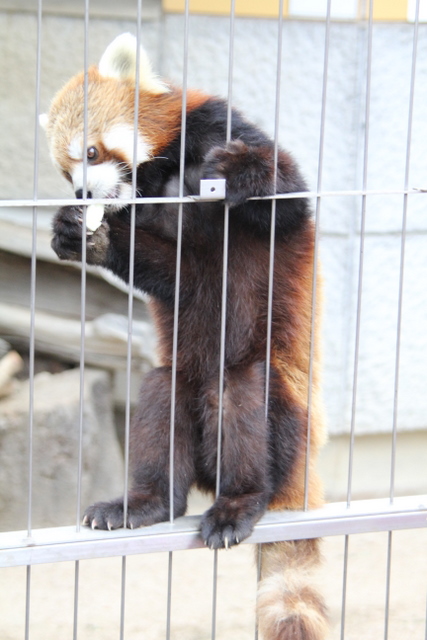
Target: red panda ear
[119, 62]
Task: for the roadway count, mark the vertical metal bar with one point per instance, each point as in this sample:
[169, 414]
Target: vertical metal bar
[224, 264]
[76, 598]
[130, 317]
[33, 276]
[176, 307]
[272, 239]
[316, 252]
[403, 249]
[27, 602]
[131, 268]
[83, 273]
[169, 596]
[359, 303]
[388, 582]
[123, 598]
[214, 594]
[31, 370]
[361, 252]
[344, 587]
[273, 205]
[82, 317]
[221, 380]
[178, 262]
[32, 317]
[222, 347]
[400, 307]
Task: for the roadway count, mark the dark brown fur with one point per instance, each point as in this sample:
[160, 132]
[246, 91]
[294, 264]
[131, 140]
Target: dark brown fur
[263, 458]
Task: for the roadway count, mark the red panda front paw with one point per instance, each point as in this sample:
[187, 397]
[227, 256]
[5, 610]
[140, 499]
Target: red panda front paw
[248, 171]
[67, 233]
[231, 520]
[67, 237]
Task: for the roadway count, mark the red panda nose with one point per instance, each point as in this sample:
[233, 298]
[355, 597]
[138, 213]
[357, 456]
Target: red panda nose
[79, 194]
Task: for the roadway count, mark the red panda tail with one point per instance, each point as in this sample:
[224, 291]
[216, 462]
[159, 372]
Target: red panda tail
[288, 607]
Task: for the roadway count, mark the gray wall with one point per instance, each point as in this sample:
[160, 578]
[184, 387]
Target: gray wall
[254, 84]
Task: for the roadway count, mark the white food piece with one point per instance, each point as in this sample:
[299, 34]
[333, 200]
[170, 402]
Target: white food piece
[94, 215]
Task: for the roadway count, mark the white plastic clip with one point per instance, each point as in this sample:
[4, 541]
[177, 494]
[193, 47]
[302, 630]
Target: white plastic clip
[212, 189]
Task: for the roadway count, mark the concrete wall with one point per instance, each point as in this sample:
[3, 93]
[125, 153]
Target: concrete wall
[254, 83]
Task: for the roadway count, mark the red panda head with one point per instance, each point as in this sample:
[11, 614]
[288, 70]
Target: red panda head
[110, 136]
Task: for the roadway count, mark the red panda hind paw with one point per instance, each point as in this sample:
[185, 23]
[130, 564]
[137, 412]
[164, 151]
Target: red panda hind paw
[110, 515]
[225, 524]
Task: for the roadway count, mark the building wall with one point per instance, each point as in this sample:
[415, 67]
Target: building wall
[254, 82]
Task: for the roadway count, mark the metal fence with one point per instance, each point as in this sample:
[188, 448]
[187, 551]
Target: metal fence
[77, 543]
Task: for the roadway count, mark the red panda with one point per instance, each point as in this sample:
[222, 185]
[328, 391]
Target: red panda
[263, 457]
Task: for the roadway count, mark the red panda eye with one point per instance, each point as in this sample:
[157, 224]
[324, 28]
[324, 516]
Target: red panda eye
[92, 154]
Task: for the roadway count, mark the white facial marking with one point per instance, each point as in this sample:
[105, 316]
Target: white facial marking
[121, 138]
[75, 149]
[102, 180]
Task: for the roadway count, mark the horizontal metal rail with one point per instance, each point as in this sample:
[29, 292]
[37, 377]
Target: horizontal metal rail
[72, 201]
[65, 543]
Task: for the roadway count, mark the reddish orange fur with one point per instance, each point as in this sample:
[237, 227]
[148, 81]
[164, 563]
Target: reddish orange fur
[110, 103]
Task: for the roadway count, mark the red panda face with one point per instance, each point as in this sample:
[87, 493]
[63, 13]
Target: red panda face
[103, 159]
[109, 162]
[111, 148]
